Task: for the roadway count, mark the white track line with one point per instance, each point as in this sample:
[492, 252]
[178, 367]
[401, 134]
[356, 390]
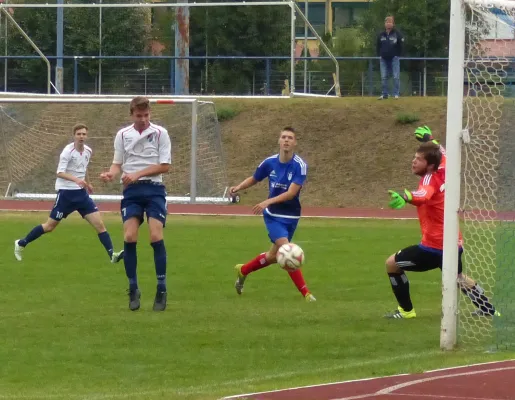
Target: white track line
[235, 214]
[433, 396]
[391, 389]
[378, 361]
[370, 379]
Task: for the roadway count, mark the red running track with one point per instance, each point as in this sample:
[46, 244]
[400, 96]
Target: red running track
[491, 381]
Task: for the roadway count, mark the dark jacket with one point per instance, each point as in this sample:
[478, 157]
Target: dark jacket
[389, 45]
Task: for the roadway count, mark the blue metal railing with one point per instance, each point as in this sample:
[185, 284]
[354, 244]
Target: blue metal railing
[368, 74]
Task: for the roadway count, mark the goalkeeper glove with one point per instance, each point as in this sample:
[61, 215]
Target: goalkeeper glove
[424, 134]
[397, 200]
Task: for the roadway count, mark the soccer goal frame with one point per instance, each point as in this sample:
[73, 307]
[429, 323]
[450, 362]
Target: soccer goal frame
[192, 198]
[294, 12]
[463, 52]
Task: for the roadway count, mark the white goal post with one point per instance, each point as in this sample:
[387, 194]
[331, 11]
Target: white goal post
[480, 174]
[35, 129]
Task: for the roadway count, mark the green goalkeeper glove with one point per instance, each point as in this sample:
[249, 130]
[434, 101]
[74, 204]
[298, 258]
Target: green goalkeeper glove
[424, 134]
[397, 200]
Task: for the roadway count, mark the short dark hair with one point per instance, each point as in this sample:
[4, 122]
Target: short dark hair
[432, 153]
[76, 127]
[288, 129]
[141, 103]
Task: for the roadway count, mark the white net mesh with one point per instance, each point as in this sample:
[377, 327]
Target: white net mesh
[34, 135]
[488, 172]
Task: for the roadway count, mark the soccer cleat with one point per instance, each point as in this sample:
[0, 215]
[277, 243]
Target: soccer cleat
[116, 257]
[480, 313]
[400, 314]
[18, 250]
[160, 301]
[134, 296]
[240, 280]
[309, 297]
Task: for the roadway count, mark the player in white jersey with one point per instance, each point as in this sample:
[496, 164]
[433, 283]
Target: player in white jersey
[142, 153]
[72, 195]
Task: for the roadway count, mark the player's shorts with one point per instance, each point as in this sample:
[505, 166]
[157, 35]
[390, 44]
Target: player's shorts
[144, 197]
[419, 259]
[70, 200]
[279, 227]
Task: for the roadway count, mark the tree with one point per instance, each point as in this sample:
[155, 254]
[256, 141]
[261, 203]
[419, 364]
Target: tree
[237, 31]
[424, 23]
[124, 32]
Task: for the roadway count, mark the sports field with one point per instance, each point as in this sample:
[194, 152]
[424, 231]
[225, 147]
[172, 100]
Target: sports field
[68, 334]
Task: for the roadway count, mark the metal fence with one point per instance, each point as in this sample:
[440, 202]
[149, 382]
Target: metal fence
[359, 76]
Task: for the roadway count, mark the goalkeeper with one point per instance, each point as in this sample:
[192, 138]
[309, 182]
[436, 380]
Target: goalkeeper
[428, 254]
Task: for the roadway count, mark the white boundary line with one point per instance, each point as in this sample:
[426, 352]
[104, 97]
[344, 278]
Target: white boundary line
[383, 377]
[199, 214]
[391, 389]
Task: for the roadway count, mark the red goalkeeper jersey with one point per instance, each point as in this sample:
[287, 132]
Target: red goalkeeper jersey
[429, 200]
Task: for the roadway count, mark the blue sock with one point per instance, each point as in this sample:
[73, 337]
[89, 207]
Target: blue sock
[33, 235]
[130, 259]
[105, 239]
[160, 261]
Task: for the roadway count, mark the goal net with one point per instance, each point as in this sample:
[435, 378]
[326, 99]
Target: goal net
[35, 130]
[488, 171]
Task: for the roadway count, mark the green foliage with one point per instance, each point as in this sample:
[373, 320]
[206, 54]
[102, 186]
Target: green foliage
[237, 31]
[424, 23]
[124, 32]
[225, 113]
[407, 118]
[346, 42]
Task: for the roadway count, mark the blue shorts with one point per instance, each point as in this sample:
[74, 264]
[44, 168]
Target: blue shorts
[70, 200]
[144, 198]
[280, 227]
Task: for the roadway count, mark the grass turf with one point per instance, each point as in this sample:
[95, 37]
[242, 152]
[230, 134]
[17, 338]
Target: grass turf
[68, 334]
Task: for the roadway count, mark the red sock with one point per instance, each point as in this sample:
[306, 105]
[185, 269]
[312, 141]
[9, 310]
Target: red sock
[298, 280]
[255, 264]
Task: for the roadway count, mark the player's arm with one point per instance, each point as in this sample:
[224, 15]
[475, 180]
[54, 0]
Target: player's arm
[114, 171]
[293, 191]
[298, 179]
[89, 186]
[69, 177]
[245, 184]
[64, 159]
[418, 197]
[261, 173]
[116, 166]
[163, 165]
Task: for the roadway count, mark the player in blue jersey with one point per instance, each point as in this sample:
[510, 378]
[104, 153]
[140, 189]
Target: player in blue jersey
[72, 195]
[286, 173]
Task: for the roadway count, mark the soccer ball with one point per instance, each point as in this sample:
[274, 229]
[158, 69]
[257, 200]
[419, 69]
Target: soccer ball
[290, 257]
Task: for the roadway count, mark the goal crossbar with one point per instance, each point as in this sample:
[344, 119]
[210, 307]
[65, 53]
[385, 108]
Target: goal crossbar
[151, 5]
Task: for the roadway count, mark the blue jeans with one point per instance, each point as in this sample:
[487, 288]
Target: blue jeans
[390, 67]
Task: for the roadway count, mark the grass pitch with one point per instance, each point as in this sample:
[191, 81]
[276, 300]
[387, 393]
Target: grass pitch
[67, 332]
